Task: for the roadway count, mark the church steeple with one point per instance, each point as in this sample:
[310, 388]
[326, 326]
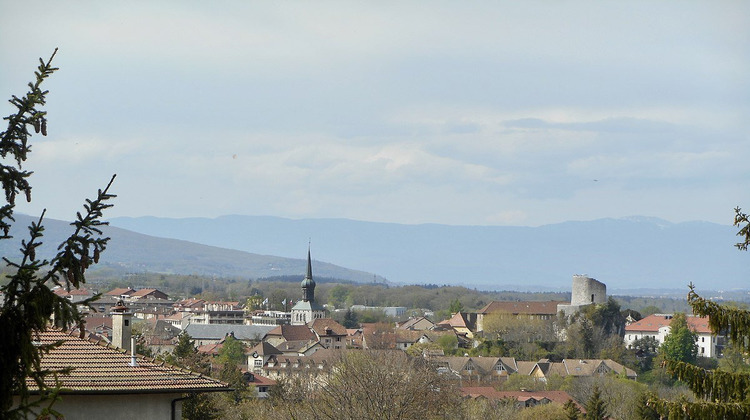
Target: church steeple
[308, 284]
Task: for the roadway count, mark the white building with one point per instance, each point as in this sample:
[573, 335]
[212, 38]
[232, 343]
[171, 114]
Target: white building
[657, 326]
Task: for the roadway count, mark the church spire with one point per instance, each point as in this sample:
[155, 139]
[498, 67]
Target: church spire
[308, 284]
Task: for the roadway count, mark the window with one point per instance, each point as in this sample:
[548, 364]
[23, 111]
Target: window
[703, 350]
[258, 362]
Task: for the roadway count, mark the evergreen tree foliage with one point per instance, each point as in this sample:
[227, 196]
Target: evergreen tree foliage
[185, 346]
[232, 351]
[596, 408]
[644, 411]
[572, 412]
[456, 306]
[28, 300]
[723, 394]
[681, 344]
[350, 319]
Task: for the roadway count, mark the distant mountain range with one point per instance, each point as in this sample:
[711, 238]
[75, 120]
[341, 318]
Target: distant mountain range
[627, 253]
[131, 252]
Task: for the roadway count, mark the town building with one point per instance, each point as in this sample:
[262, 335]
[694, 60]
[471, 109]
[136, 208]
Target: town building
[307, 310]
[657, 327]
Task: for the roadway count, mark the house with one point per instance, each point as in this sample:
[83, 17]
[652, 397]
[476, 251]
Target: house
[287, 333]
[262, 384]
[106, 382]
[329, 333]
[519, 310]
[259, 355]
[482, 369]
[463, 323]
[210, 312]
[657, 326]
[354, 338]
[120, 292]
[418, 324]
[74, 295]
[148, 293]
[543, 369]
[318, 364]
[214, 333]
[523, 398]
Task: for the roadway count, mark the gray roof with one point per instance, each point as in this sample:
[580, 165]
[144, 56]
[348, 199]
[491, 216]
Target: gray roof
[219, 331]
[308, 306]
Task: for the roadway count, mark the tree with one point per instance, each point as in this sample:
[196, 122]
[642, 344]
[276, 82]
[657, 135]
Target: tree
[456, 306]
[185, 346]
[681, 344]
[29, 302]
[596, 408]
[722, 394]
[572, 412]
[350, 319]
[385, 385]
[232, 351]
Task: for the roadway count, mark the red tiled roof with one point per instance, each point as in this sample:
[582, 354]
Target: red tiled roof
[147, 292]
[652, 323]
[120, 291]
[527, 308]
[102, 369]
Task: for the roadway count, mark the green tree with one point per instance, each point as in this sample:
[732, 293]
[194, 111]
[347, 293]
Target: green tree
[456, 306]
[350, 319]
[596, 408]
[733, 360]
[722, 394]
[644, 411]
[338, 295]
[29, 303]
[232, 351]
[572, 412]
[185, 346]
[681, 344]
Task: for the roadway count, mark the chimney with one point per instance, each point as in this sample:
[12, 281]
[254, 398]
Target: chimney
[121, 328]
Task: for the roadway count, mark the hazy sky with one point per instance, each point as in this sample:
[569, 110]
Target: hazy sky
[510, 113]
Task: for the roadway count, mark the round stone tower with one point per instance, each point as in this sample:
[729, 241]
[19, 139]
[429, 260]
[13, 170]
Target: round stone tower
[587, 291]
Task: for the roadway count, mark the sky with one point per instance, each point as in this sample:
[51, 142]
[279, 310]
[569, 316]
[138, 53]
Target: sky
[463, 113]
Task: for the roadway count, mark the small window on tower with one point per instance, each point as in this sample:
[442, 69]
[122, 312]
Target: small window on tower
[592, 298]
[127, 322]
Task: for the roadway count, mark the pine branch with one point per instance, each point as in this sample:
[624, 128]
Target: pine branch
[739, 219]
[683, 409]
[716, 386]
[736, 322]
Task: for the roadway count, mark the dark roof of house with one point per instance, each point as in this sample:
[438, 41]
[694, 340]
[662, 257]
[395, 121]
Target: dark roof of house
[264, 349]
[293, 332]
[560, 397]
[327, 326]
[102, 369]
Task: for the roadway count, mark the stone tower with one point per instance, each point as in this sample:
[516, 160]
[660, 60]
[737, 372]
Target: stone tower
[121, 326]
[586, 291]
